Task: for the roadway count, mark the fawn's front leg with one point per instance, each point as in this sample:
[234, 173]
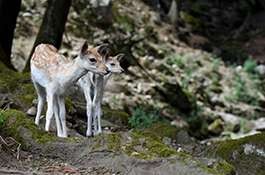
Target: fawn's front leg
[52, 109]
[56, 109]
[49, 113]
[98, 114]
[88, 111]
[97, 105]
[41, 99]
[62, 115]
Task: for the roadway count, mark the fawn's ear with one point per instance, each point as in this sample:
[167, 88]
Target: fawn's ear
[120, 56]
[84, 48]
[103, 49]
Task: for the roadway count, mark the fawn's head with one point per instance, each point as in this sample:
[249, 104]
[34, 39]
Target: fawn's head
[94, 59]
[113, 63]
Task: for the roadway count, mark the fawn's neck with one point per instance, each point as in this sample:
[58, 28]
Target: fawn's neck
[74, 72]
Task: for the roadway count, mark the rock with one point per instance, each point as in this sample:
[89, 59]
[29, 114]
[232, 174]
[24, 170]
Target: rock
[20, 127]
[232, 120]
[216, 101]
[35, 101]
[246, 154]
[216, 127]
[183, 137]
[32, 111]
[259, 124]
[260, 69]
[138, 151]
[117, 117]
[238, 68]
[180, 123]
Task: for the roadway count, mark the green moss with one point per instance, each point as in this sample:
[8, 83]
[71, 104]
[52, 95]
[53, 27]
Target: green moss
[233, 151]
[225, 149]
[74, 139]
[114, 141]
[222, 167]
[149, 147]
[115, 116]
[16, 120]
[2, 118]
[160, 130]
[18, 86]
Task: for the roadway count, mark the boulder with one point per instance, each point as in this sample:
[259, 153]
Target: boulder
[246, 154]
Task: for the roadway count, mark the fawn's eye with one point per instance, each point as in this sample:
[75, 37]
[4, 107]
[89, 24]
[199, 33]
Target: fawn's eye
[93, 60]
[112, 64]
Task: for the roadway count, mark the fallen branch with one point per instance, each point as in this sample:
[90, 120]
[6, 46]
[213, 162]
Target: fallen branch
[11, 145]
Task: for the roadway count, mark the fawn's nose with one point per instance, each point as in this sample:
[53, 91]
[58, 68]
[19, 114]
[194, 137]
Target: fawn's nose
[107, 71]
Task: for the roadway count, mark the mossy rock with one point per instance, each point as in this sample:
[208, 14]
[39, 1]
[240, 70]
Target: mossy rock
[244, 152]
[117, 117]
[133, 144]
[138, 152]
[17, 125]
[147, 147]
[160, 130]
[18, 87]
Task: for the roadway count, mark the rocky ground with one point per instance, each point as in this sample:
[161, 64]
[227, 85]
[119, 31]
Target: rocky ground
[146, 129]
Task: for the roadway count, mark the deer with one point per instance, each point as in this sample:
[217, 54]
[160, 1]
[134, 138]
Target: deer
[93, 86]
[52, 74]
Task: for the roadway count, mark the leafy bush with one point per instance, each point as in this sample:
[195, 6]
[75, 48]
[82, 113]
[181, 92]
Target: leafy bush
[249, 66]
[141, 119]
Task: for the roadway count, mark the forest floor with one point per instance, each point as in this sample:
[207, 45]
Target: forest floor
[144, 132]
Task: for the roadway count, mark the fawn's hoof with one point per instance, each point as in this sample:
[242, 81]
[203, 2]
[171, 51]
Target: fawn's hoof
[62, 135]
[97, 132]
[89, 133]
[37, 123]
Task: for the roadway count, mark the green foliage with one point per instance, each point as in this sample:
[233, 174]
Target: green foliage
[2, 118]
[241, 91]
[250, 65]
[142, 119]
[197, 123]
[176, 59]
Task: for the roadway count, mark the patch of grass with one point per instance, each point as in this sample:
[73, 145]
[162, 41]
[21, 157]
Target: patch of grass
[2, 118]
[142, 119]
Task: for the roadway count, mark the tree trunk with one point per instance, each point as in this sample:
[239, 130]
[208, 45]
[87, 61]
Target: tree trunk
[8, 16]
[53, 24]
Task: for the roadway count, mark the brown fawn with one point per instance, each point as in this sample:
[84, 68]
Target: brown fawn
[93, 87]
[52, 74]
